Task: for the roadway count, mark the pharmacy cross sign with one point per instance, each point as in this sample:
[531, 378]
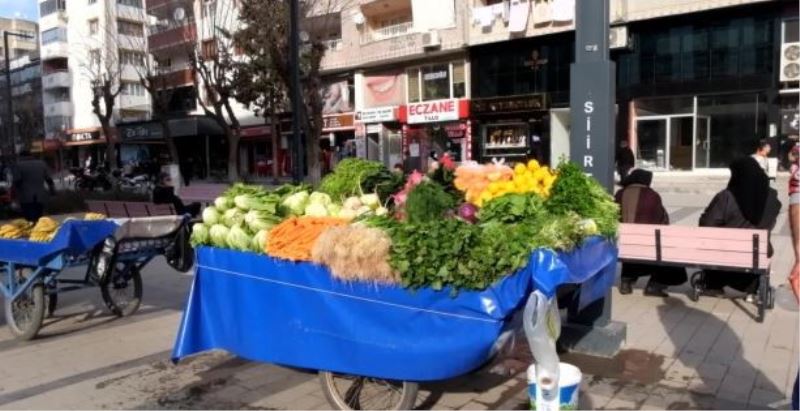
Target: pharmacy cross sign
[535, 63]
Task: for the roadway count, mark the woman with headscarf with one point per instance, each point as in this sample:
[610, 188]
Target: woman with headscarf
[747, 202]
[640, 204]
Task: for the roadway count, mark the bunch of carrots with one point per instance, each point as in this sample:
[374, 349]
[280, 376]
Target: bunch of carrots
[294, 238]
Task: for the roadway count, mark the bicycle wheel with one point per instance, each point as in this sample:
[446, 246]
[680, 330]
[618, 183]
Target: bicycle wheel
[122, 290]
[350, 392]
[24, 314]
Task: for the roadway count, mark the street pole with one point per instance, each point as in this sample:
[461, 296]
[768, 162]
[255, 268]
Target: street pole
[9, 102]
[592, 118]
[294, 64]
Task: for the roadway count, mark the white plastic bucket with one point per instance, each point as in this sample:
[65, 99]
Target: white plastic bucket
[569, 382]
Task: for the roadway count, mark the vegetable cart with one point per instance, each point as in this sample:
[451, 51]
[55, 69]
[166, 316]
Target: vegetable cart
[371, 343]
[113, 251]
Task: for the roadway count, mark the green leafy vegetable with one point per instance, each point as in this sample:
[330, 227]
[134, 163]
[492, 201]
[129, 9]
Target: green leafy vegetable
[428, 202]
[513, 208]
[576, 192]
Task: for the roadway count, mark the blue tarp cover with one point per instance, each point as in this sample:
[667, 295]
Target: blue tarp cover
[296, 314]
[74, 237]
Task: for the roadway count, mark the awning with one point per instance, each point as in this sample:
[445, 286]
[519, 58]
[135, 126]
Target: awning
[139, 131]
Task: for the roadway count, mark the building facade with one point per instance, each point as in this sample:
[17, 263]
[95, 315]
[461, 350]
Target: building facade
[82, 43]
[26, 95]
[19, 46]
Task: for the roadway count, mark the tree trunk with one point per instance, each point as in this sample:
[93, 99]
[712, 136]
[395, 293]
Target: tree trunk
[275, 137]
[173, 149]
[233, 156]
[313, 160]
[111, 152]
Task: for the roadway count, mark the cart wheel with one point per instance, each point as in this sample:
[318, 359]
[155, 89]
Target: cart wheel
[697, 286]
[122, 292]
[25, 313]
[349, 392]
[770, 298]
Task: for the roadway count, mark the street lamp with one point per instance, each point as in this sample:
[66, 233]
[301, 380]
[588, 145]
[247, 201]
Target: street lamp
[294, 63]
[11, 124]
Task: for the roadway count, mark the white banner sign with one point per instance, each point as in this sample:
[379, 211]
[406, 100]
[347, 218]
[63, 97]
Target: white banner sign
[376, 115]
[433, 111]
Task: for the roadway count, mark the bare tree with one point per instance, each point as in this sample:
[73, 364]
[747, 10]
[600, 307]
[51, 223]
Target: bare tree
[157, 82]
[214, 62]
[107, 36]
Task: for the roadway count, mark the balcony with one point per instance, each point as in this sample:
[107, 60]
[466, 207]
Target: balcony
[387, 32]
[58, 109]
[177, 78]
[58, 79]
[332, 44]
[58, 49]
[134, 102]
[173, 37]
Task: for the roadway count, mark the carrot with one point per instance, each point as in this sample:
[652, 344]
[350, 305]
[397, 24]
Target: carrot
[294, 238]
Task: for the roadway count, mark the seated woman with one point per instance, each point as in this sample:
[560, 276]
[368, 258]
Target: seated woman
[747, 202]
[164, 193]
[640, 204]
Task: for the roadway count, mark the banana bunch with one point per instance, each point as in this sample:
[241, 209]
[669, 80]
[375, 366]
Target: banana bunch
[16, 229]
[94, 216]
[44, 230]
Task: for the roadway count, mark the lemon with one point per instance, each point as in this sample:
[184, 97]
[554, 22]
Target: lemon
[520, 169]
[533, 165]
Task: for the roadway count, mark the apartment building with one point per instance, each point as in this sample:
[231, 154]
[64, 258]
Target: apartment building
[26, 95]
[698, 82]
[19, 45]
[82, 42]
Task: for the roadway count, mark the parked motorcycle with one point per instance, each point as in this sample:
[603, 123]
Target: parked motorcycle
[88, 180]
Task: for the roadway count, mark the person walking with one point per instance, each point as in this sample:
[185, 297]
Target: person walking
[625, 160]
[794, 223]
[761, 154]
[164, 193]
[29, 177]
[640, 204]
[747, 202]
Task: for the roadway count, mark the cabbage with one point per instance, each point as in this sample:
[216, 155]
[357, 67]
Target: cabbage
[223, 203]
[334, 209]
[233, 217]
[295, 204]
[218, 234]
[319, 198]
[260, 241]
[316, 210]
[380, 211]
[199, 234]
[244, 201]
[371, 200]
[352, 203]
[211, 215]
[259, 220]
[238, 239]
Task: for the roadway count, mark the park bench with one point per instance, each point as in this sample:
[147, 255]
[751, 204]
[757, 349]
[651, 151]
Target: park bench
[115, 209]
[201, 192]
[705, 248]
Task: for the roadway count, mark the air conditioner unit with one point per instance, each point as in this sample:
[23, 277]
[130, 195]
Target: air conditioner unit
[790, 62]
[618, 38]
[431, 39]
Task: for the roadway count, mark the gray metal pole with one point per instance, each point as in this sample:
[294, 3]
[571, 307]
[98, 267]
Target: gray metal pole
[294, 63]
[9, 101]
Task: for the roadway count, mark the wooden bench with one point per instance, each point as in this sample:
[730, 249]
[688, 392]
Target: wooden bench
[201, 192]
[115, 209]
[706, 248]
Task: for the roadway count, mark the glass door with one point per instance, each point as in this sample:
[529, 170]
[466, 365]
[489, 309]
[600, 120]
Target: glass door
[652, 148]
[702, 149]
[680, 142]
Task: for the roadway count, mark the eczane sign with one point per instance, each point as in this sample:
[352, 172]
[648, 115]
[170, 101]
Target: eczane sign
[433, 111]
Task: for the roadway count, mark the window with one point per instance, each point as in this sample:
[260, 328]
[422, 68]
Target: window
[92, 2]
[48, 7]
[128, 28]
[209, 49]
[437, 81]
[54, 35]
[132, 58]
[94, 26]
[131, 88]
[131, 3]
[94, 58]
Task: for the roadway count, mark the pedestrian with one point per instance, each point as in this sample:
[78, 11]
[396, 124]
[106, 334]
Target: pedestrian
[187, 170]
[29, 177]
[794, 223]
[164, 193]
[762, 153]
[625, 160]
[747, 202]
[640, 204]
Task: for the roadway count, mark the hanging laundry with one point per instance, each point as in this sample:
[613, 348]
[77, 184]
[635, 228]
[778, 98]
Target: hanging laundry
[519, 11]
[563, 10]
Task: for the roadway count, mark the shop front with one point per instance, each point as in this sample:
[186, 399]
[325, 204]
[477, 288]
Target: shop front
[338, 140]
[434, 128]
[141, 142]
[255, 151]
[81, 145]
[380, 131]
[514, 128]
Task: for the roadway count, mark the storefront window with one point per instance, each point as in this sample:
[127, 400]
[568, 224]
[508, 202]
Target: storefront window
[737, 122]
[437, 82]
